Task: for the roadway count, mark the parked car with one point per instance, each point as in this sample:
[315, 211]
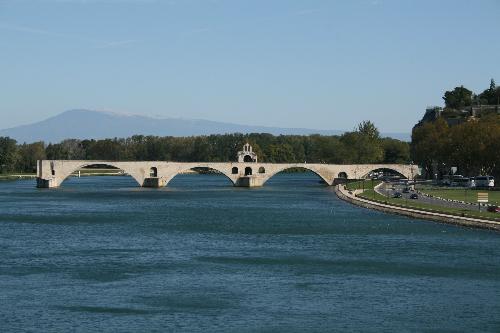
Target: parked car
[397, 195]
[414, 196]
[484, 181]
[493, 209]
[460, 182]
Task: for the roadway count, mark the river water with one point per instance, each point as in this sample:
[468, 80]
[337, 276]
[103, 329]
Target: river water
[100, 254]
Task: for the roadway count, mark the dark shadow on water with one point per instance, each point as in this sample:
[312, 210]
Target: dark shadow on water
[192, 300]
[308, 266]
[106, 310]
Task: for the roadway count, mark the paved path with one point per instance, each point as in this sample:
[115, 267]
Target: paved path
[349, 196]
[388, 192]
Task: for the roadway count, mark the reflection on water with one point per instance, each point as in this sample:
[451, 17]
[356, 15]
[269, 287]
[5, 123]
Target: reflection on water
[100, 254]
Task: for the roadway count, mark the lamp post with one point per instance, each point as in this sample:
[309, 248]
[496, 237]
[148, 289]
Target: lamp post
[466, 188]
[411, 169]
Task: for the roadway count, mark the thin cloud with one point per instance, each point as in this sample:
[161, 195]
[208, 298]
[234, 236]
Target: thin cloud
[19, 28]
[41, 32]
[36, 31]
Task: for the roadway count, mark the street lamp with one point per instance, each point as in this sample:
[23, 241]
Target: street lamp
[411, 169]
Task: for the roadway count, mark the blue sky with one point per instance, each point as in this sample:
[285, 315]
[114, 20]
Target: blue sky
[315, 64]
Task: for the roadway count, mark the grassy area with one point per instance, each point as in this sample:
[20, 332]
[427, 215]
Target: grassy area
[370, 194]
[362, 184]
[83, 172]
[467, 195]
[6, 176]
[86, 172]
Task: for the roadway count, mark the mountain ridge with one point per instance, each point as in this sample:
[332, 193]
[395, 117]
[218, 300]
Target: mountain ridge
[91, 124]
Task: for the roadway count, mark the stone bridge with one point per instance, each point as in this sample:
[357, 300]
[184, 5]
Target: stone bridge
[52, 173]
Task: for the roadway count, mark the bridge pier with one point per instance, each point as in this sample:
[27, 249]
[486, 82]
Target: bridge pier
[337, 181]
[154, 182]
[46, 183]
[249, 181]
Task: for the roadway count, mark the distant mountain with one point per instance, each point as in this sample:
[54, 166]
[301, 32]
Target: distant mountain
[88, 124]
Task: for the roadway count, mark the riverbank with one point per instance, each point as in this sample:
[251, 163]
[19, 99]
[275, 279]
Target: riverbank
[354, 198]
[88, 172]
[17, 176]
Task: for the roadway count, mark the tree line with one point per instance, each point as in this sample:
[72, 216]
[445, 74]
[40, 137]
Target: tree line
[471, 145]
[363, 145]
[462, 97]
[437, 145]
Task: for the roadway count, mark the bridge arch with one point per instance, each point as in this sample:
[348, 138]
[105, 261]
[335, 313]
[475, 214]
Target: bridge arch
[64, 172]
[403, 171]
[385, 171]
[359, 171]
[229, 174]
[303, 167]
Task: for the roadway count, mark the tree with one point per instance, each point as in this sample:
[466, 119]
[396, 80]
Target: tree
[8, 154]
[362, 148]
[108, 149]
[280, 153]
[490, 96]
[458, 97]
[471, 146]
[395, 151]
[430, 145]
[28, 154]
[363, 145]
[368, 129]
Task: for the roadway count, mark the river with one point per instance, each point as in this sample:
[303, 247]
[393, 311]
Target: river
[100, 254]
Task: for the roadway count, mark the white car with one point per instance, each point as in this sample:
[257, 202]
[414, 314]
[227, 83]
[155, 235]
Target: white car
[484, 181]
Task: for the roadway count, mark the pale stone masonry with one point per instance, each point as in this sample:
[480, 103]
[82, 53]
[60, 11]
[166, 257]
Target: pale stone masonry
[247, 154]
[51, 173]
